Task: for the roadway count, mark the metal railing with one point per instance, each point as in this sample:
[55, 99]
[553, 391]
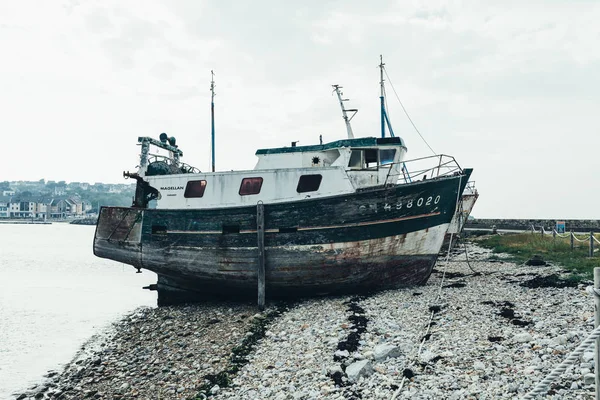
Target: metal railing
[422, 168]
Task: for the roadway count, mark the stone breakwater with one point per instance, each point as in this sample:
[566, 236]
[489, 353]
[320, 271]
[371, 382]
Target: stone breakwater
[497, 330]
[576, 225]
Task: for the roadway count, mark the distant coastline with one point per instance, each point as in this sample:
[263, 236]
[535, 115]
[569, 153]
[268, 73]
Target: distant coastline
[24, 222]
[84, 221]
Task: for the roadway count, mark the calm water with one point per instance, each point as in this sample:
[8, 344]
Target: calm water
[54, 295]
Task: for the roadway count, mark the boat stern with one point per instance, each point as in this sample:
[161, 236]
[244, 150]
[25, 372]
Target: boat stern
[118, 235]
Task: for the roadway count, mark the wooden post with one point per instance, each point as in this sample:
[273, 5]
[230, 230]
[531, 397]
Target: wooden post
[592, 244]
[572, 241]
[553, 236]
[260, 230]
[542, 230]
[596, 323]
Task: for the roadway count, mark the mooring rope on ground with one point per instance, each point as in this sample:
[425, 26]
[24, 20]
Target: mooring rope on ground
[438, 296]
[542, 387]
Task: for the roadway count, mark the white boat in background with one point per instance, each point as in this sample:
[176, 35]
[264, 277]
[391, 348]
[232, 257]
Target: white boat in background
[464, 208]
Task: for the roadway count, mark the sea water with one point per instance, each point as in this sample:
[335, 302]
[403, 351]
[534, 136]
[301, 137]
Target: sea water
[54, 296]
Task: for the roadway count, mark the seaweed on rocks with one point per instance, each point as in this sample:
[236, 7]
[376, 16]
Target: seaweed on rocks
[507, 311]
[358, 327]
[456, 285]
[239, 354]
[350, 344]
[552, 280]
[452, 275]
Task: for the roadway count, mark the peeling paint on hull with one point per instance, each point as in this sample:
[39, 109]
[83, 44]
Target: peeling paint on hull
[375, 239]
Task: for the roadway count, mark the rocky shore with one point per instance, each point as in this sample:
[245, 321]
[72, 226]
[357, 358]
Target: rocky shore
[487, 329]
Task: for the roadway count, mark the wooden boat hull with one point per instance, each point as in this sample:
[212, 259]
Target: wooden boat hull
[373, 239]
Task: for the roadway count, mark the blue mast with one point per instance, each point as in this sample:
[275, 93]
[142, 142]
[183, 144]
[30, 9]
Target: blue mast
[212, 118]
[384, 117]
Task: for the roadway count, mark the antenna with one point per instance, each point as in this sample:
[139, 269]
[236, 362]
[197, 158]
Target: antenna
[384, 117]
[336, 89]
[212, 117]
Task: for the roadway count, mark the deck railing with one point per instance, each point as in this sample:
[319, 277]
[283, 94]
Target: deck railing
[422, 168]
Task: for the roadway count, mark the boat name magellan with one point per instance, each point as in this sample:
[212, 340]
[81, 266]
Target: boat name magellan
[171, 188]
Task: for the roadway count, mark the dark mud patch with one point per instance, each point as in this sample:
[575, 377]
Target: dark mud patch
[549, 281]
[494, 339]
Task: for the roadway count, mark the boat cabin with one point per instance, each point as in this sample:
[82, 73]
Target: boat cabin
[281, 174]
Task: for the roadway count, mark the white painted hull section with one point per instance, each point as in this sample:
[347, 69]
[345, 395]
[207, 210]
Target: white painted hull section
[461, 216]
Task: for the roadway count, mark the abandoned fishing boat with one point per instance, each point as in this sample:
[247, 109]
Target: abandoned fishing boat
[343, 216]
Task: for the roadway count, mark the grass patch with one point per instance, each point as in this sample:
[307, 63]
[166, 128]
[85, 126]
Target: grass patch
[523, 246]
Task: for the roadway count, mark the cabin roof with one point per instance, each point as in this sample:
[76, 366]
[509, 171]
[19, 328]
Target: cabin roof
[362, 142]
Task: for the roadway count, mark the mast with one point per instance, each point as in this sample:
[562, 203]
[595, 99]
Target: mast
[336, 89]
[212, 118]
[384, 117]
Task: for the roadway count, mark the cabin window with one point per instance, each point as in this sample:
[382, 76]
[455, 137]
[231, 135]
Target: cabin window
[356, 159]
[309, 183]
[250, 186]
[371, 158]
[386, 156]
[364, 159]
[194, 189]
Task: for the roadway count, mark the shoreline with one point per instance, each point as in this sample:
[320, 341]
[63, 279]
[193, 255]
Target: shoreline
[495, 334]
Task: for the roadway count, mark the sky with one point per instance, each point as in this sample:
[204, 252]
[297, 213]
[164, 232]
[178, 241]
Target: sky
[508, 88]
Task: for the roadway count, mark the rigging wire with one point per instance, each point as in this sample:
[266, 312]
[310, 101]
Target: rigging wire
[406, 112]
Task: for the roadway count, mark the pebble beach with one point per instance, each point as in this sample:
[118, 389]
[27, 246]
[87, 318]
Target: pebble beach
[481, 328]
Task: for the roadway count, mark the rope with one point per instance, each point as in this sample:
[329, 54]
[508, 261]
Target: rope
[439, 294]
[562, 236]
[542, 387]
[406, 112]
[597, 241]
[580, 240]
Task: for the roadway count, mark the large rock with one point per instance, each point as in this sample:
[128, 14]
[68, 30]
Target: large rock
[385, 350]
[523, 338]
[358, 369]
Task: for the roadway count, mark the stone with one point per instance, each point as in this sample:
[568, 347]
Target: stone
[587, 356]
[358, 369]
[342, 353]
[385, 350]
[589, 379]
[523, 337]
[479, 366]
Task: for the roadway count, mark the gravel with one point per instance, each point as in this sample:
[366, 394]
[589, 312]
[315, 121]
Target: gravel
[488, 330]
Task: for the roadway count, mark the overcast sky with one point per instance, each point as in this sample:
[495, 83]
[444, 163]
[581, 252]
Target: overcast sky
[509, 88]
